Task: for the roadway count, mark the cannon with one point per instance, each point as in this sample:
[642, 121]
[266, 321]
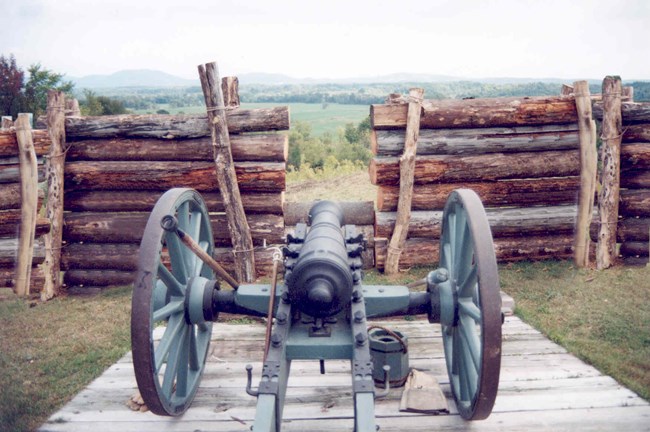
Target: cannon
[319, 312]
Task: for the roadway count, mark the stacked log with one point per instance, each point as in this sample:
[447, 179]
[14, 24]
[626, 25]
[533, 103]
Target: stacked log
[634, 208]
[521, 155]
[118, 166]
[10, 207]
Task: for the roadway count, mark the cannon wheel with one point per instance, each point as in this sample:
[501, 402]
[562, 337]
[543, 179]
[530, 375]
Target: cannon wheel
[470, 305]
[168, 371]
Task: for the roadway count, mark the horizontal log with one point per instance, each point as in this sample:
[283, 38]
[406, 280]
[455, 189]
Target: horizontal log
[9, 144]
[136, 201]
[635, 156]
[476, 113]
[97, 256]
[632, 112]
[488, 167]
[11, 173]
[636, 133]
[130, 175]
[10, 196]
[634, 261]
[248, 147]
[629, 229]
[354, 212]
[635, 179]
[97, 278]
[634, 202]
[425, 252]
[129, 228]
[8, 279]
[517, 222]
[175, 126]
[9, 248]
[544, 192]
[10, 224]
[479, 141]
[635, 249]
[263, 261]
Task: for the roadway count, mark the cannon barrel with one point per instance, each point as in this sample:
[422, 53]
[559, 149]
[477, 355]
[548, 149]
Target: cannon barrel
[320, 282]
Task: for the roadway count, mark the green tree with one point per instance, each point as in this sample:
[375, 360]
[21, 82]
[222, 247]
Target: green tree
[40, 81]
[94, 105]
[11, 84]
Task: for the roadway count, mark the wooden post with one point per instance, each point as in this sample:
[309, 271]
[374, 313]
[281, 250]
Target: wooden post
[588, 172]
[566, 90]
[407, 173]
[230, 89]
[612, 131]
[7, 122]
[54, 167]
[28, 206]
[228, 187]
[72, 108]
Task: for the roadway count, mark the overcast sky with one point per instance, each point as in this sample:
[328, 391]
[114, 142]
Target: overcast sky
[570, 39]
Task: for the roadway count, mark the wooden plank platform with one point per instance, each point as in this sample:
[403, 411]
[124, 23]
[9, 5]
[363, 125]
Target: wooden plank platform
[542, 387]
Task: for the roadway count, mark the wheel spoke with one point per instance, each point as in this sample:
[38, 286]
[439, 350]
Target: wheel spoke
[177, 252]
[183, 216]
[195, 225]
[469, 369]
[467, 286]
[194, 352]
[174, 328]
[183, 366]
[170, 281]
[199, 264]
[449, 265]
[168, 310]
[461, 233]
[471, 340]
[467, 307]
[173, 362]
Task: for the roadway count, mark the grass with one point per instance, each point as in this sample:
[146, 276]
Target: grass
[50, 351]
[322, 120]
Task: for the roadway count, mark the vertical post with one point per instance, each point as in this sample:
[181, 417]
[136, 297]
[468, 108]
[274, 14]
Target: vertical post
[610, 175]
[28, 203]
[406, 178]
[72, 108]
[54, 167]
[6, 122]
[240, 234]
[230, 89]
[588, 172]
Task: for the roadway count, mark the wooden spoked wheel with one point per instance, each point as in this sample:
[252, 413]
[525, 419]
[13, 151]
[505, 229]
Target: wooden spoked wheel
[168, 370]
[470, 305]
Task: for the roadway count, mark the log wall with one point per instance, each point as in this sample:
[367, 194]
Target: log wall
[521, 155]
[10, 207]
[634, 207]
[118, 166]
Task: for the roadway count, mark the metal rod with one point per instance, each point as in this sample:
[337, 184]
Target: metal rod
[269, 316]
[170, 224]
[417, 283]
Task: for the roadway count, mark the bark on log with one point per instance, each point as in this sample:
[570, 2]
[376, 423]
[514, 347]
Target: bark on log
[10, 224]
[240, 232]
[488, 167]
[9, 145]
[245, 148]
[479, 141]
[635, 202]
[263, 261]
[529, 192]
[629, 229]
[29, 204]
[354, 212]
[636, 249]
[425, 252]
[635, 179]
[157, 176]
[610, 176]
[72, 107]
[477, 113]
[635, 156]
[10, 196]
[109, 256]
[129, 228]
[9, 253]
[97, 278]
[520, 222]
[406, 181]
[55, 180]
[230, 90]
[11, 174]
[6, 122]
[636, 261]
[175, 126]
[7, 279]
[632, 112]
[636, 133]
[144, 201]
[588, 173]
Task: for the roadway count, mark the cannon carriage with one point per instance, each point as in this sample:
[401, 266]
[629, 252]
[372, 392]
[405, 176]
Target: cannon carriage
[319, 312]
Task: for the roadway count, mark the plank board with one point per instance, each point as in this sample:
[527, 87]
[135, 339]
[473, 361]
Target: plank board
[542, 387]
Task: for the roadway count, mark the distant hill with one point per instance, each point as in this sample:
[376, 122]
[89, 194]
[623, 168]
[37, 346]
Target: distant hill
[133, 78]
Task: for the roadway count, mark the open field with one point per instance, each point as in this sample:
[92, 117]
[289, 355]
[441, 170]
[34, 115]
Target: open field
[321, 119]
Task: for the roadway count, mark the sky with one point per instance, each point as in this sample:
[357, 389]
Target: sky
[568, 39]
